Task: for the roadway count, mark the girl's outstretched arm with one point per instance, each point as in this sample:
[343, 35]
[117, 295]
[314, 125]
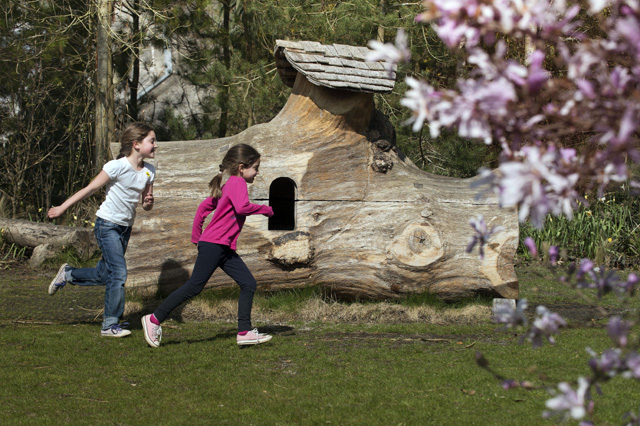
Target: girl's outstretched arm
[239, 197]
[97, 183]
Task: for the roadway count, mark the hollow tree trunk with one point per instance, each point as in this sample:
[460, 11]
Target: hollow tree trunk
[358, 231]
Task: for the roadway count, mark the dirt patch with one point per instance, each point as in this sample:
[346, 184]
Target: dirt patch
[580, 315]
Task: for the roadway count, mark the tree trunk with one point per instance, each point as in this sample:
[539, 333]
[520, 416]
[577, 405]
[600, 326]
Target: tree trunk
[135, 66]
[383, 11]
[104, 100]
[224, 91]
[366, 222]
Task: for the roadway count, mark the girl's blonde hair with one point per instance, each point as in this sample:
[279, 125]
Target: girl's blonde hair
[241, 154]
[133, 132]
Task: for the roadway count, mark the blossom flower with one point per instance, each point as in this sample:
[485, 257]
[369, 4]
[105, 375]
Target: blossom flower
[537, 75]
[544, 326]
[585, 267]
[539, 185]
[391, 54]
[519, 185]
[482, 234]
[553, 255]
[632, 363]
[570, 402]
[607, 365]
[596, 6]
[512, 384]
[417, 99]
[600, 279]
[509, 384]
[629, 286]
[505, 314]
[531, 246]
[618, 329]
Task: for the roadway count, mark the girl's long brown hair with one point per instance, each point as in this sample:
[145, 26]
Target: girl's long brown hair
[241, 154]
[133, 132]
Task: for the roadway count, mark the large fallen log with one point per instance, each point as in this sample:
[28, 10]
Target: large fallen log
[47, 239]
[355, 215]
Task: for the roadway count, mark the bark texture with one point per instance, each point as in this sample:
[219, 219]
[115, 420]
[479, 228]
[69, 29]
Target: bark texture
[368, 223]
[47, 238]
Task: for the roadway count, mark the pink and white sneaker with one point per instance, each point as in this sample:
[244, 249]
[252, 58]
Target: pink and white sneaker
[152, 332]
[252, 338]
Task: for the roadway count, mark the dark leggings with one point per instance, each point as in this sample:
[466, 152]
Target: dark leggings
[210, 257]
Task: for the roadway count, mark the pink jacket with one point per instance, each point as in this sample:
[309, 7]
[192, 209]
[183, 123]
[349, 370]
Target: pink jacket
[231, 210]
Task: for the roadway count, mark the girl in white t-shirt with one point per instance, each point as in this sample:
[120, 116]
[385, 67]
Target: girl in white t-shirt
[129, 179]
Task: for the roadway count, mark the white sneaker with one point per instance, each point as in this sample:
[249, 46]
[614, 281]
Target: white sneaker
[116, 330]
[253, 337]
[152, 332]
[59, 281]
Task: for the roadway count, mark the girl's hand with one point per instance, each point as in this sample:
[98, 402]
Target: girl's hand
[55, 212]
[147, 202]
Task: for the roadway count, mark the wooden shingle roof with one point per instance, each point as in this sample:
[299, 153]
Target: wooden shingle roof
[337, 66]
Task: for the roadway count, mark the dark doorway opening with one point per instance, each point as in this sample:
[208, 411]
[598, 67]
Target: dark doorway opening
[282, 198]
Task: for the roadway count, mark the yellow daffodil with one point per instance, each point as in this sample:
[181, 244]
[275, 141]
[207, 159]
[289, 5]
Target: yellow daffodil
[40, 210]
[610, 239]
[589, 212]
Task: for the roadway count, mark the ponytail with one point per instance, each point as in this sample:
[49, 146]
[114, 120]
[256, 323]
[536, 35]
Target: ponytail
[216, 184]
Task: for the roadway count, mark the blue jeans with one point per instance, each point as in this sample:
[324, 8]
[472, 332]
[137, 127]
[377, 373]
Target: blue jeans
[111, 270]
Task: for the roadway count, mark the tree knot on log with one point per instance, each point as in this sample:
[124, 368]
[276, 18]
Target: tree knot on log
[418, 246]
[382, 136]
[382, 162]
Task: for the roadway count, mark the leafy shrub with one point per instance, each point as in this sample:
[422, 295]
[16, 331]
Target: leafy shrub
[606, 230]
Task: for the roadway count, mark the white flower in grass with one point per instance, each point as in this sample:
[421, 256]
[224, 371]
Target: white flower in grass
[504, 313]
[570, 402]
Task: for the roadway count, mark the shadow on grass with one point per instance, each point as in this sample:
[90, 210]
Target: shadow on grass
[282, 330]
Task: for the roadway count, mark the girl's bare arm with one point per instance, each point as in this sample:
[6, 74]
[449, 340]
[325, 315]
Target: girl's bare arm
[97, 183]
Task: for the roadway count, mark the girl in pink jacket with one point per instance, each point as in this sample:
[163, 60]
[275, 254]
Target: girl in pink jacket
[217, 245]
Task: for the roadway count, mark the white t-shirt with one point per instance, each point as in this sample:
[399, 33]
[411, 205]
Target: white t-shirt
[124, 190]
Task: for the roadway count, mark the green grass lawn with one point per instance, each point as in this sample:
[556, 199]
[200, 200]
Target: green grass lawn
[310, 373]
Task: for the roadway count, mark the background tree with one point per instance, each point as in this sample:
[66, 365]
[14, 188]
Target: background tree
[46, 102]
[224, 48]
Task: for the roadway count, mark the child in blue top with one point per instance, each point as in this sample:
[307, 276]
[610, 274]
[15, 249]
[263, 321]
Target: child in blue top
[129, 179]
